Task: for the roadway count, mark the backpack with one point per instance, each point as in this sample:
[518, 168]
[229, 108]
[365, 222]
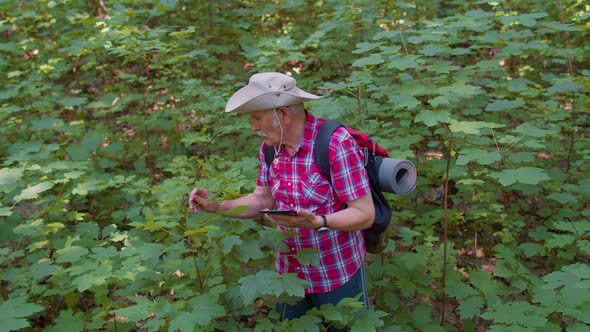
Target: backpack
[376, 236]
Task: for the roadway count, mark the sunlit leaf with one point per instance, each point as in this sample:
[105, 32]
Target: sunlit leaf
[472, 127]
[34, 191]
[5, 212]
[10, 175]
[433, 118]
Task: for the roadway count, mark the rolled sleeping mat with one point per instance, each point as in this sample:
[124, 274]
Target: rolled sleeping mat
[396, 175]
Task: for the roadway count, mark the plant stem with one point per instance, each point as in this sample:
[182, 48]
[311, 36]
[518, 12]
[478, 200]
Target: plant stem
[198, 274]
[446, 226]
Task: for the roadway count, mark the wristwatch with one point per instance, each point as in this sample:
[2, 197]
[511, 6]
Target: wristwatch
[325, 226]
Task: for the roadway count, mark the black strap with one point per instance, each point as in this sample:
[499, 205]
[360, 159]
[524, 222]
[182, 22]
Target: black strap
[269, 154]
[321, 147]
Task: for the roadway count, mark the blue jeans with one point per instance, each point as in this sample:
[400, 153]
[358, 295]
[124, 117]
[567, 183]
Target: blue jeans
[355, 286]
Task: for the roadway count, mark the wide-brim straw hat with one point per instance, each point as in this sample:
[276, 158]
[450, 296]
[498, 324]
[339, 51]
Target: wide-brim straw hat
[267, 91]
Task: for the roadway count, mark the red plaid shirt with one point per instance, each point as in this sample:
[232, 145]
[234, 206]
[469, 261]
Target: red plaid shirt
[296, 183]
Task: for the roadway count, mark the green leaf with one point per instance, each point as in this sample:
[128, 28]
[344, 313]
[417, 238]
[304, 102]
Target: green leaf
[400, 101]
[10, 175]
[504, 105]
[460, 290]
[482, 157]
[563, 198]
[229, 242]
[434, 50]
[526, 175]
[365, 47]
[402, 63]
[557, 279]
[489, 288]
[70, 254]
[517, 85]
[460, 89]
[268, 282]
[42, 270]
[371, 60]
[442, 67]
[560, 241]
[532, 249]
[368, 320]
[14, 313]
[250, 249]
[432, 118]
[85, 148]
[207, 309]
[305, 323]
[518, 314]
[34, 191]
[582, 271]
[5, 212]
[564, 87]
[532, 131]
[67, 321]
[470, 307]
[528, 20]
[308, 256]
[185, 322]
[139, 311]
[97, 277]
[472, 127]
[73, 101]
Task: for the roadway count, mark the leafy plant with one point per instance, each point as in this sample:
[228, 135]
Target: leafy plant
[112, 113]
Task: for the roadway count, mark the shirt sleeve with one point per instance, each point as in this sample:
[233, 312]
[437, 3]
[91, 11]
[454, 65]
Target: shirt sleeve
[349, 176]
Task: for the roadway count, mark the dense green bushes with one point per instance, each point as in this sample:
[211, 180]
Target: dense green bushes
[112, 112]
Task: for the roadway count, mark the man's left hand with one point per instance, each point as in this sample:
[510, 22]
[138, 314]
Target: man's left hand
[303, 219]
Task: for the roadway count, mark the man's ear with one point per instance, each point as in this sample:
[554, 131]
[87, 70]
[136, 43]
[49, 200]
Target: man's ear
[285, 114]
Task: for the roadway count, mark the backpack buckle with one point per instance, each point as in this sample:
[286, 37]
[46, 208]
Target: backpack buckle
[373, 144]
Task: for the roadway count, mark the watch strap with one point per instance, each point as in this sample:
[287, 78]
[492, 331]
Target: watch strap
[325, 225]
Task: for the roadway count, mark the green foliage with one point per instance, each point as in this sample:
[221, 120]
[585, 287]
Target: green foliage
[112, 113]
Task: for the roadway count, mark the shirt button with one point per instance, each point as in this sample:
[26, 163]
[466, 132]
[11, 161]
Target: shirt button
[298, 268]
[289, 184]
[293, 249]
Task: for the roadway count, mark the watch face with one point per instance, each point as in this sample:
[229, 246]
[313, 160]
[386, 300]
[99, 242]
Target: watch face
[323, 228]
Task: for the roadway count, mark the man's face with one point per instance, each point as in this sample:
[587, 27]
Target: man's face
[264, 124]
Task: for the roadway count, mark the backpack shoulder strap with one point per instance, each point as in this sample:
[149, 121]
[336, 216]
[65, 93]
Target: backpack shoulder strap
[269, 154]
[321, 147]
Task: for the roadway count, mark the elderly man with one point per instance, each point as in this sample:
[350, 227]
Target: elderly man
[328, 215]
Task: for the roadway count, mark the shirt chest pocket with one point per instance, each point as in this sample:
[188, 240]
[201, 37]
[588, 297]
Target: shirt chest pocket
[315, 191]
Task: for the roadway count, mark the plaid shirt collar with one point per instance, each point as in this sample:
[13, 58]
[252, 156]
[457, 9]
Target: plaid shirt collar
[309, 132]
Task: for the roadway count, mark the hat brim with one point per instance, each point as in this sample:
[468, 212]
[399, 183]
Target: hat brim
[242, 101]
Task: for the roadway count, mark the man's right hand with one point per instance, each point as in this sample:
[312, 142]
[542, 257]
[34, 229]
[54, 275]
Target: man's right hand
[199, 199]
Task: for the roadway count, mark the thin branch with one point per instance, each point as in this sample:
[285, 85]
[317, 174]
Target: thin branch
[446, 225]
